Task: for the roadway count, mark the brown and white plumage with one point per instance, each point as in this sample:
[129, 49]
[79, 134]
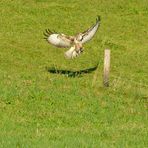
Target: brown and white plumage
[74, 42]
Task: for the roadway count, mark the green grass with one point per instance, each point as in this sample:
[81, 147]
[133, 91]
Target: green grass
[72, 109]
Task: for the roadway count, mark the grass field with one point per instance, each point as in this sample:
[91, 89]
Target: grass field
[48, 101]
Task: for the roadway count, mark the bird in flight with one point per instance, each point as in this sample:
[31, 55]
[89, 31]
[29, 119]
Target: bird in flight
[75, 43]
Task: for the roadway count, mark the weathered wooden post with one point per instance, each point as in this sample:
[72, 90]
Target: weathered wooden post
[106, 67]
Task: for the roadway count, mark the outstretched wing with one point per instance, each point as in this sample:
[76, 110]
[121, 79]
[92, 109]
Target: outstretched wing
[57, 39]
[89, 33]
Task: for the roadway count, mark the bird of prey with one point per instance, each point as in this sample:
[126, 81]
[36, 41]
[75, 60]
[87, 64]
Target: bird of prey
[75, 43]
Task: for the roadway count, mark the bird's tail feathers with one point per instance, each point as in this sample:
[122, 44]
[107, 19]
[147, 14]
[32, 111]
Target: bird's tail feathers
[71, 53]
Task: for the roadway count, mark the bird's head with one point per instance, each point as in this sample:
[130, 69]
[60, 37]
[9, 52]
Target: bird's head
[79, 37]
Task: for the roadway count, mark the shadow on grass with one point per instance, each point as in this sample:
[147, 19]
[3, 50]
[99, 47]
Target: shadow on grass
[70, 73]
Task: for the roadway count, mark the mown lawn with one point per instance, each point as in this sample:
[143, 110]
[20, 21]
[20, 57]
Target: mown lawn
[49, 101]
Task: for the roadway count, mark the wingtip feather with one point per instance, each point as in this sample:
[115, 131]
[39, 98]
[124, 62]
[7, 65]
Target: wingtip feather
[47, 33]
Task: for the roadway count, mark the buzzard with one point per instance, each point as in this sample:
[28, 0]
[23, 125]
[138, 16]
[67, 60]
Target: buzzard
[75, 43]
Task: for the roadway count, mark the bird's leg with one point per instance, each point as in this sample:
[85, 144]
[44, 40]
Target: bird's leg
[78, 47]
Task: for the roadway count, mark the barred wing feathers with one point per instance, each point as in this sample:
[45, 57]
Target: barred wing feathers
[57, 39]
[89, 33]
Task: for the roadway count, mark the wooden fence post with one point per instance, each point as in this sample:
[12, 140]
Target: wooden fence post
[106, 67]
